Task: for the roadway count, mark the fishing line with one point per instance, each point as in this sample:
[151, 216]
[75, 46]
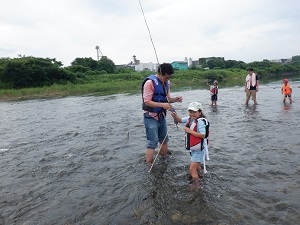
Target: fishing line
[163, 84]
[149, 32]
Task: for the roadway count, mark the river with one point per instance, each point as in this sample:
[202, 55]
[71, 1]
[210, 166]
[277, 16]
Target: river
[80, 160]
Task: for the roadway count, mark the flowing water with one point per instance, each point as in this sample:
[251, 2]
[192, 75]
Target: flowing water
[80, 160]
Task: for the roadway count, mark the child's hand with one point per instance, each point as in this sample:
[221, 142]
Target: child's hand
[174, 114]
[187, 130]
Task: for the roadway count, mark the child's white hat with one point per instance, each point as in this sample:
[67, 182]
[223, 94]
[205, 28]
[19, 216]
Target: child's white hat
[195, 106]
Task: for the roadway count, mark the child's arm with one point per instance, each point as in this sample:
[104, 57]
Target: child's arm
[176, 117]
[194, 133]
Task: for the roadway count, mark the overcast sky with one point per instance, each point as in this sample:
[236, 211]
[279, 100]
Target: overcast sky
[247, 30]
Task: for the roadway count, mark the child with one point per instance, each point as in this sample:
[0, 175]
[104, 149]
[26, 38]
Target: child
[196, 131]
[286, 90]
[214, 93]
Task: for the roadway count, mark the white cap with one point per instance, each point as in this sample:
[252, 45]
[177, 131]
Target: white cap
[195, 106]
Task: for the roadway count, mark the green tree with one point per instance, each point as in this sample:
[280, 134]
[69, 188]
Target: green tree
[33, 72]
[106, 64]
[235, 64]
[296, 58]
[86, 62]
[216, 62]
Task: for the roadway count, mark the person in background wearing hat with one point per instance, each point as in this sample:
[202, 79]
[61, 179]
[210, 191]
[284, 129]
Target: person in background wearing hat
[156, 101]
[214, 89]
[251, 86]
[286, 90]
[196, 142]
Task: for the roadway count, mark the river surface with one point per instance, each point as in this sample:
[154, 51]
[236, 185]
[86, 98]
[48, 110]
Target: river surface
[80, 160]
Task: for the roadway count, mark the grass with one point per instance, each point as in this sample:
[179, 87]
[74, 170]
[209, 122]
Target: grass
[56, 90]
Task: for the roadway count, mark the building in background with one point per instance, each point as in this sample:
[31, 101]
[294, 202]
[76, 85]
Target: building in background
[180, 65]
[203, 61]
[282, 61]
[139, 66]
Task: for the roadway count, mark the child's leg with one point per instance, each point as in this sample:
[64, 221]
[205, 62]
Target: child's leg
[290, 98]
[284, 98]
[193, 169]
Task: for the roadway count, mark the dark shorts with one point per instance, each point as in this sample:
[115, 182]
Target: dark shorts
[288, 95]
[214, 97]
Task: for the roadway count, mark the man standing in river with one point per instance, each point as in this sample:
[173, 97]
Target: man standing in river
[156, 102]
[251, 86]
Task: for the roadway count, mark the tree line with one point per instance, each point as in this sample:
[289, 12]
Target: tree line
[28, 71]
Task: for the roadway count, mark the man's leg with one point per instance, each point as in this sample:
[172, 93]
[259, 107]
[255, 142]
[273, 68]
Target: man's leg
[253, 93]
[164, 149]
[151, 126]
[248, 93]
[149, 155]
[163, 137]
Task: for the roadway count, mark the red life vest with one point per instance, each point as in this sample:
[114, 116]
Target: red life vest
[192, 142]
[214, 90]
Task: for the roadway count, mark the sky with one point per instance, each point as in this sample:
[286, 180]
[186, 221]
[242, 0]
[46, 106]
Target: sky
[246, 30]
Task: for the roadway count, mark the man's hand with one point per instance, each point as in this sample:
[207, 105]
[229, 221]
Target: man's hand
[178, 99]
[167, 106]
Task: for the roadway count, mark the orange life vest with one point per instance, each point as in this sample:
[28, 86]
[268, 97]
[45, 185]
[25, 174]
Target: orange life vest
[287, 90]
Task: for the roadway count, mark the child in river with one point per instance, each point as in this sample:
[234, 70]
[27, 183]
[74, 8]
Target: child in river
[286, 90]
[196, 131]
[214, 93]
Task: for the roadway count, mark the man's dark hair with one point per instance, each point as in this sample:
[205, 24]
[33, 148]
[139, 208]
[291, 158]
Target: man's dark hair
[250, 69]
[165, 68]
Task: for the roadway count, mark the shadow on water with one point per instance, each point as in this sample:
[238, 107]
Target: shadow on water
[80, 160]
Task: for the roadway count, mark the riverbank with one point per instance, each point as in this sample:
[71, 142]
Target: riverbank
[131, 86]
[60, 91]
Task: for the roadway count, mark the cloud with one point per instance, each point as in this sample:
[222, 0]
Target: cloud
[241, 30]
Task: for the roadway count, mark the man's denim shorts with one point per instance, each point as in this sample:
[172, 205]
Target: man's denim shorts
[156, 131]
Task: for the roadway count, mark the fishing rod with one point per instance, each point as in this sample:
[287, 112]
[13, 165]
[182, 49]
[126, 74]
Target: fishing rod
[173, 110]
[163, 84]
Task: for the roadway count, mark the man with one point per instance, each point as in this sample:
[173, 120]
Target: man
[156, 102]
[251, 86]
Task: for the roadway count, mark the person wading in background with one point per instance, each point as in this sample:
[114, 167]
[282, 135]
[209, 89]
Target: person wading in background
[286, 90]
[251, 86]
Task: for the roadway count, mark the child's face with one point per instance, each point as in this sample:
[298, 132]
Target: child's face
[215, 84]
[194, 114]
